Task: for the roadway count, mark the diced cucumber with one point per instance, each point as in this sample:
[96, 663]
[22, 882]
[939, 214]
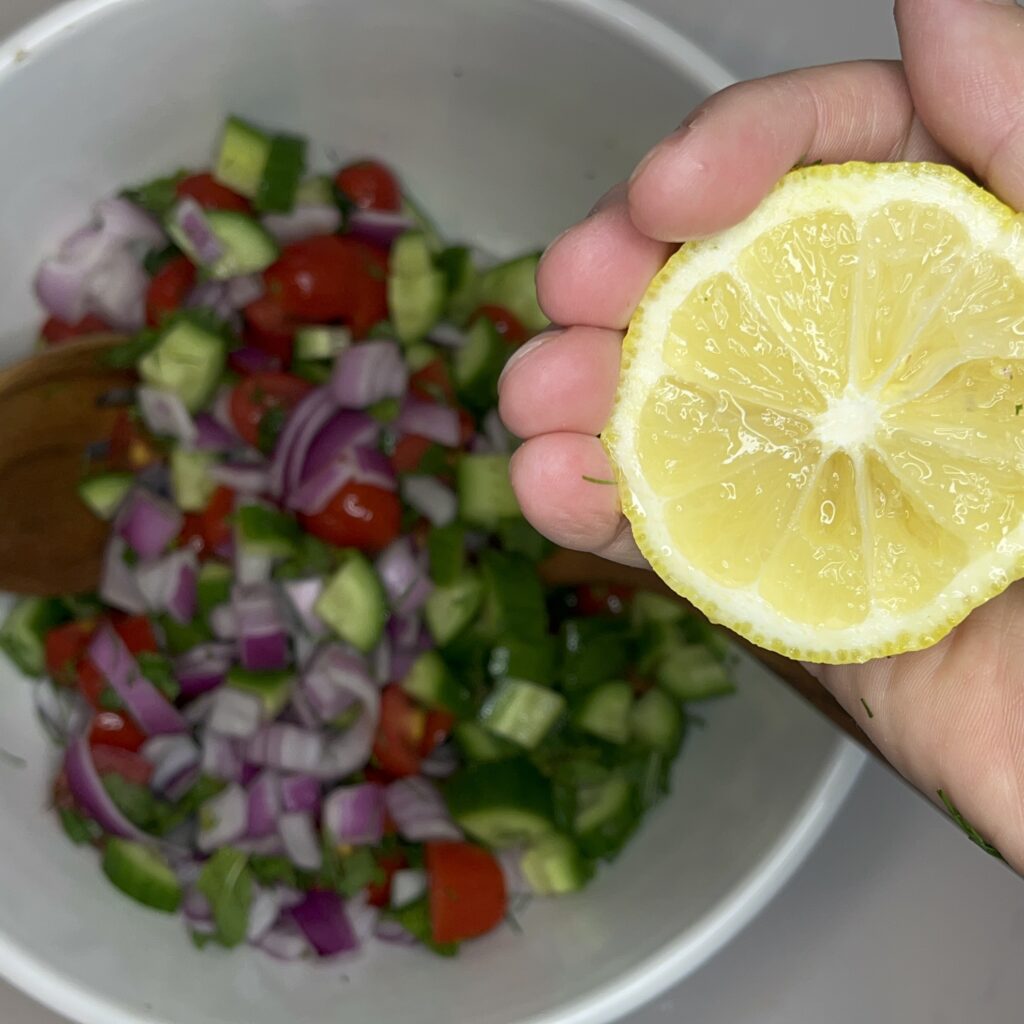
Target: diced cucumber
[554, 866]
[104, 492]
[141, 873]
[213, 586]
[605, 712]
[656, 722]
[420, 354]
[594, 651]
[423, 223]
[23, 634]
[321, 342]
[502, 803]
[451, 608]
[649, 607]
[692, 672]
[606, 814]
[286, 163]
[188, 360]
[316, 191]
[522, 712]
[447, 548]
[434, 685]
[273, 688]
[477, 744]
[263, 167]
[485, 491]
[247, 246]
[477, 365]
[191, 482]
[514, 603]
[461, 280]
[416, 291]
[353, 603]
[513, 285]
[265, 531]
[518, 536]
[532, 659]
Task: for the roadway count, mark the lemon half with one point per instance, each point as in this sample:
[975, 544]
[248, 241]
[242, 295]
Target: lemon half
[819, 425]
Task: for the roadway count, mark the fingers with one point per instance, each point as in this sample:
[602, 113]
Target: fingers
[715, 170]
[965, 66]
[566, 489]
[563, 381]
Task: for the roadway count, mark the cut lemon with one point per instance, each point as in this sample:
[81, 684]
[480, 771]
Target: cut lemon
[819, 427]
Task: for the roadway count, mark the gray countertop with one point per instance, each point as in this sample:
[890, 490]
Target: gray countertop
[895, 917]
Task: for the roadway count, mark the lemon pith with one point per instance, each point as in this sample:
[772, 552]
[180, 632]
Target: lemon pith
[818, 430]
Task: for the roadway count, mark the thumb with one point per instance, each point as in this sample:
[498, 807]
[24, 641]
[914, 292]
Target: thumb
[964, 61]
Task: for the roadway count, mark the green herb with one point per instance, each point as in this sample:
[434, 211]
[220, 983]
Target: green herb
[156, 259]
[199, 940]
[157, 669]
[78, 828]
[598, 480]
[345, 873]
[386, 410]
[312, 558]
[181, 637]
[159, 195]
[269, 430]
[137, 803]
[968, 829]
[270, 871]
[173, 815]
[127, 356]
[109, 700]
[871, 713]
[415, 919]
[436, 461]
[226, 882]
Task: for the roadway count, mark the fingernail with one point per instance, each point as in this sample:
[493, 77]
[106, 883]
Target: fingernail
[525, 350]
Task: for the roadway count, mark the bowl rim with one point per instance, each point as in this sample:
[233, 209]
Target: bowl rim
[675, 960]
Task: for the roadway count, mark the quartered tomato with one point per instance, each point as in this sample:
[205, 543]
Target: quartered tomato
[136, 633]
[168, 289]
[115, 729]
[210, 194]
[400, 734]
[409, 450]
[466, 891]
[255, 396]
[269, 328]
[506, 323]
[64, 646]
[111, 759]
[55, 331]
[370, 185]
[91, 682]
[330, 278]
[209, 530]
[358, 516]
[378, 894]
[433, 382]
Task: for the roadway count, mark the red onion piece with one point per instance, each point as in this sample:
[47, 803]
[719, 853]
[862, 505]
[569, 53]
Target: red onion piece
[367, 373]
[171, 757]
[390, 931]
[301, 428]
[407, 886]
[222, 819]
[224, 622]
[118, 291]
[440, 763]
[244, 477]
[356, 465]
[262, 637]
[190, 218]
[419, 812]
[511, 863]
[300, 793]
[321, 917]
[203, 668]
[244, 290]
[303, 222]
[285, 941]
[288, 748]
[344, 429]
[63, 713]
[436, 422]
[406, 631]
[122, 219]
[333, 680]
[448, 335]
[148, 706]
[248, 360]
[147, 523]
[119, 586]
[164, 413]
[302, 596]
[235, 713]
[382, 660]
[264, 805]
[404, 573]
[351, 750]
[196, 907]
[87, 787]
[354, 815]
[169, 584]
[502, 442]
[222, 758]
[213, 436]
[430, 498]
[263, 913]
[301, 840]
[379, 227]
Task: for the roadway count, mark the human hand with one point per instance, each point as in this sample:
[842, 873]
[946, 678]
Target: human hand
[949, 718]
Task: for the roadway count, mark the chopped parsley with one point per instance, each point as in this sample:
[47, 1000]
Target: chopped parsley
[967, 828]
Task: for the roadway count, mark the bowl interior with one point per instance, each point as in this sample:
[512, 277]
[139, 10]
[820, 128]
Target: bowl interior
[507, 119]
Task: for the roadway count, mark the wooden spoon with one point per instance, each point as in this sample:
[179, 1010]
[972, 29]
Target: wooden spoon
[50, 543]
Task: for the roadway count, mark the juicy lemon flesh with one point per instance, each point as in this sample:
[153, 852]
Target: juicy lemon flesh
[819, 429]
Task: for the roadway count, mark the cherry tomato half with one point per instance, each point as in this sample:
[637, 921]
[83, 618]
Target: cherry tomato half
[507, 323]
[91, 682]
[210, 194]
[370, 185]
[113, 760]
[136, 633]
[115, 729]
[167, 291]
[600, 599]
[400, 734]
[269, 328]
[433, 382]
[437, 729]
[466, 891]
[56, 331]
[378, 894]
[64, 646]
[358, 516]
[255, 396]
[210, 530]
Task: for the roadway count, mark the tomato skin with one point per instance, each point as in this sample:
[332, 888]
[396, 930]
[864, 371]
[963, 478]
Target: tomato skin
[136, 633]
[64, 646]
[91, 682]
[208, 531]
[114, 760]
[599, 599]
[168, 289]
[115, 729]
[253, 397]
[378, 894]
[409, 450]
[370, 185]
[466, 891]
[358, 516]
[269, 328]
[433, 383]
[329, 278]
[439, 725]
[506, 323]
[56, 331]
[400, 733]
[210, 194]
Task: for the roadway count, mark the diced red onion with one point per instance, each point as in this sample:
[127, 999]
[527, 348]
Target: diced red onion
[169, 584]
[147, 523]
[63, 713]
[405, 630]
[303, 222]
[448, 335]
[430, 498]
[334, 679]
[171, 757]
[262, 637]
[431, 420]
[87, 788]
[213, 436]
[263, 913]
[119, 587]
[301, 840]
[196, 907]
[148, 706]
[402, 660]
[356, 465]
[300, 713]
[197, 711]
[224, 622]
[511, 863]
[301, 428]
[287, 747]
[222, 758]
[407, 886]
[345, 429]
[190, 218]
[351, 750]
[382, 660]
[300, 793]
[203, 668]
[252, 567]
[419, 812]
[379, 227]
[354, 815]
[245, 289]
[494, 430]
[285, 941]
[404, 573]
[222, 819]
[235, 713]
[164, 413]
[389, 930]
[243, 477]
[118, 291]
[248, 360]
[367, 373]
[321, 917]
[440, 763]
[264, 805]
[302, 597]
[122, 219]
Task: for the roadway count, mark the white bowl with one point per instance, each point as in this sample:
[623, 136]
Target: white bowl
[507, 117]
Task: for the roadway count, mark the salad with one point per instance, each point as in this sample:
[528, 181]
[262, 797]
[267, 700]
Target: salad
[322, 693]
